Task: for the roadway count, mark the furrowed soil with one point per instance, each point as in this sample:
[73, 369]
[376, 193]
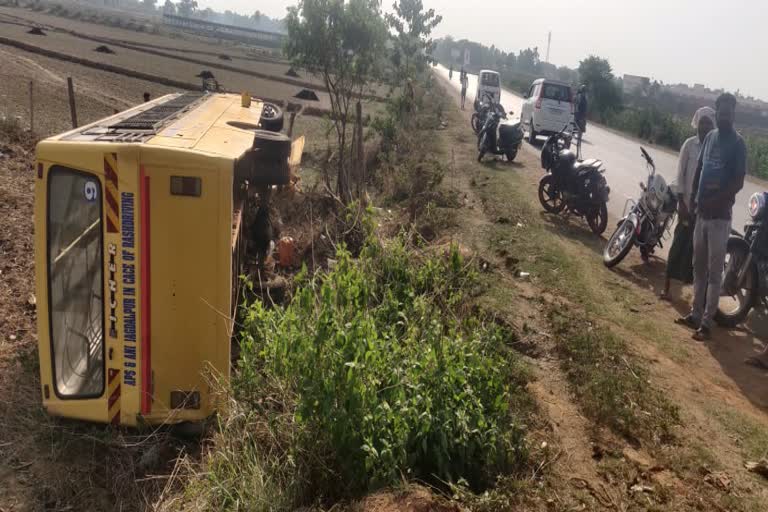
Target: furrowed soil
[100, 91]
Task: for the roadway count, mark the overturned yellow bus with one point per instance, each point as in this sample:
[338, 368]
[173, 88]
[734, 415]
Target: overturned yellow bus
[138, 247]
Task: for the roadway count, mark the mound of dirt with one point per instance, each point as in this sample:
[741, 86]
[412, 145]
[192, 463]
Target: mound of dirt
[225, 57]
[103, 49]
[292, 73]
[307, 94]
[205, 74]
[36, 31]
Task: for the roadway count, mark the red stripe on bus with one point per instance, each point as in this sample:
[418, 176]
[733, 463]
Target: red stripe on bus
[109, 173]
[112, 374]
[111, 202]
[111, 228]
[146, 324]
[116, 419]
[114, 397]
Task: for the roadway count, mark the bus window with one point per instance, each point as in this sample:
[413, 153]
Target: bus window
[75, 283]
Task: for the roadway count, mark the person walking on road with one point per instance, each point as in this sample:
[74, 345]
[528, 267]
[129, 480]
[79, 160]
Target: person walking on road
[464, 83]
[680, 260]
[719, 177]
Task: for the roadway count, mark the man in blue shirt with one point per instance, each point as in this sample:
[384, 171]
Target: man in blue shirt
[719, 177]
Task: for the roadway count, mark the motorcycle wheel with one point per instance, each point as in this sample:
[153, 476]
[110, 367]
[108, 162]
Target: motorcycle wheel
[598, 219]
[619, 244]
[733, 309]
[476, 123]
[511, 154]
[549, 197]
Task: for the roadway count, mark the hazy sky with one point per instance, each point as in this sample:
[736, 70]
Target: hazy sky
[718, 43]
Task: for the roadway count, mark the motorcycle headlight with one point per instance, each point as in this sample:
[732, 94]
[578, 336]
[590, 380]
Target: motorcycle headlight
[653, 201]
[756, 205]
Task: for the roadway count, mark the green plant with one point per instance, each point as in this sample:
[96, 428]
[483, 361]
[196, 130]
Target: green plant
[757, 156]
[390, 379]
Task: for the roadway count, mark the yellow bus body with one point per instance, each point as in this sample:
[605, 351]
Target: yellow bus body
[137, 334]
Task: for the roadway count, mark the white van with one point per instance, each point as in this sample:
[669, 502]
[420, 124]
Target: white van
[547, 108]
[488, 84]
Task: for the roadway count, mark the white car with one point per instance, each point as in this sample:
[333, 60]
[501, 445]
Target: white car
[488, 87]
[547, 108]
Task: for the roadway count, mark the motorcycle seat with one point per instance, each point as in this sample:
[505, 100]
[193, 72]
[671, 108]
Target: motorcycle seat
[590, 162]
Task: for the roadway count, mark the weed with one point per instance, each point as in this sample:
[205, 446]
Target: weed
[388, 378]
[11, 130]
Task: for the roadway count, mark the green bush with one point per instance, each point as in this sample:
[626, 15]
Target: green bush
[650, 124]
[390, 379]
[757, 156]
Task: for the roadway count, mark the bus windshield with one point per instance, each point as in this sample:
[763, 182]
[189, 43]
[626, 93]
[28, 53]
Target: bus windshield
[489, 79]
[75, 283]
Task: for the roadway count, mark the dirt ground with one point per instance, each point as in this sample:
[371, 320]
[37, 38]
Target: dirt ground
[97, 93]
[50, 465]
[163, 37]
[723, 401]
[104, 91]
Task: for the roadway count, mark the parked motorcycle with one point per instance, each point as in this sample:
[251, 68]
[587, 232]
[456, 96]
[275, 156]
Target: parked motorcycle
[646, 221]
[486, 107]
[499, 137]
[745, 276]
[575, 186]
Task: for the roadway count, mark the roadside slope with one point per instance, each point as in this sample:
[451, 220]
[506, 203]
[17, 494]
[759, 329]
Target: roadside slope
[721, 402]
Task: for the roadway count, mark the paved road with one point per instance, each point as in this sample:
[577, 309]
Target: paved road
[625, 168]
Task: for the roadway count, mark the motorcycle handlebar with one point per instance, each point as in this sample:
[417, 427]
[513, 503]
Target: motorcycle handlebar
[647, 156]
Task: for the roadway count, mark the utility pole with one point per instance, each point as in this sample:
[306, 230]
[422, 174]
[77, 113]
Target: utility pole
[549, 45]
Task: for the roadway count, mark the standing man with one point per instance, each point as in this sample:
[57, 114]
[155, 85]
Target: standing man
[464, 83]
[581, 108]
[680, 260]
[719, 177]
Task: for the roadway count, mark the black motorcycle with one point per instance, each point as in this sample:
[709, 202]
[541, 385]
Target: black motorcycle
[499, 137]
[483, 109]
[572, 185]
[745, 274]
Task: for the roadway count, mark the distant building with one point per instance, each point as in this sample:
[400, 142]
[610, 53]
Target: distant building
[222, 31]
[632, 84]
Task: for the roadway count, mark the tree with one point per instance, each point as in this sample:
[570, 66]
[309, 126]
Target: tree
[256, 16]
[149, 4]
[566, 74]
[207, 13]
[602, 89]
[412, 26]
[186, 7]
[169, 7]
[342, 43]
[528, 60]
